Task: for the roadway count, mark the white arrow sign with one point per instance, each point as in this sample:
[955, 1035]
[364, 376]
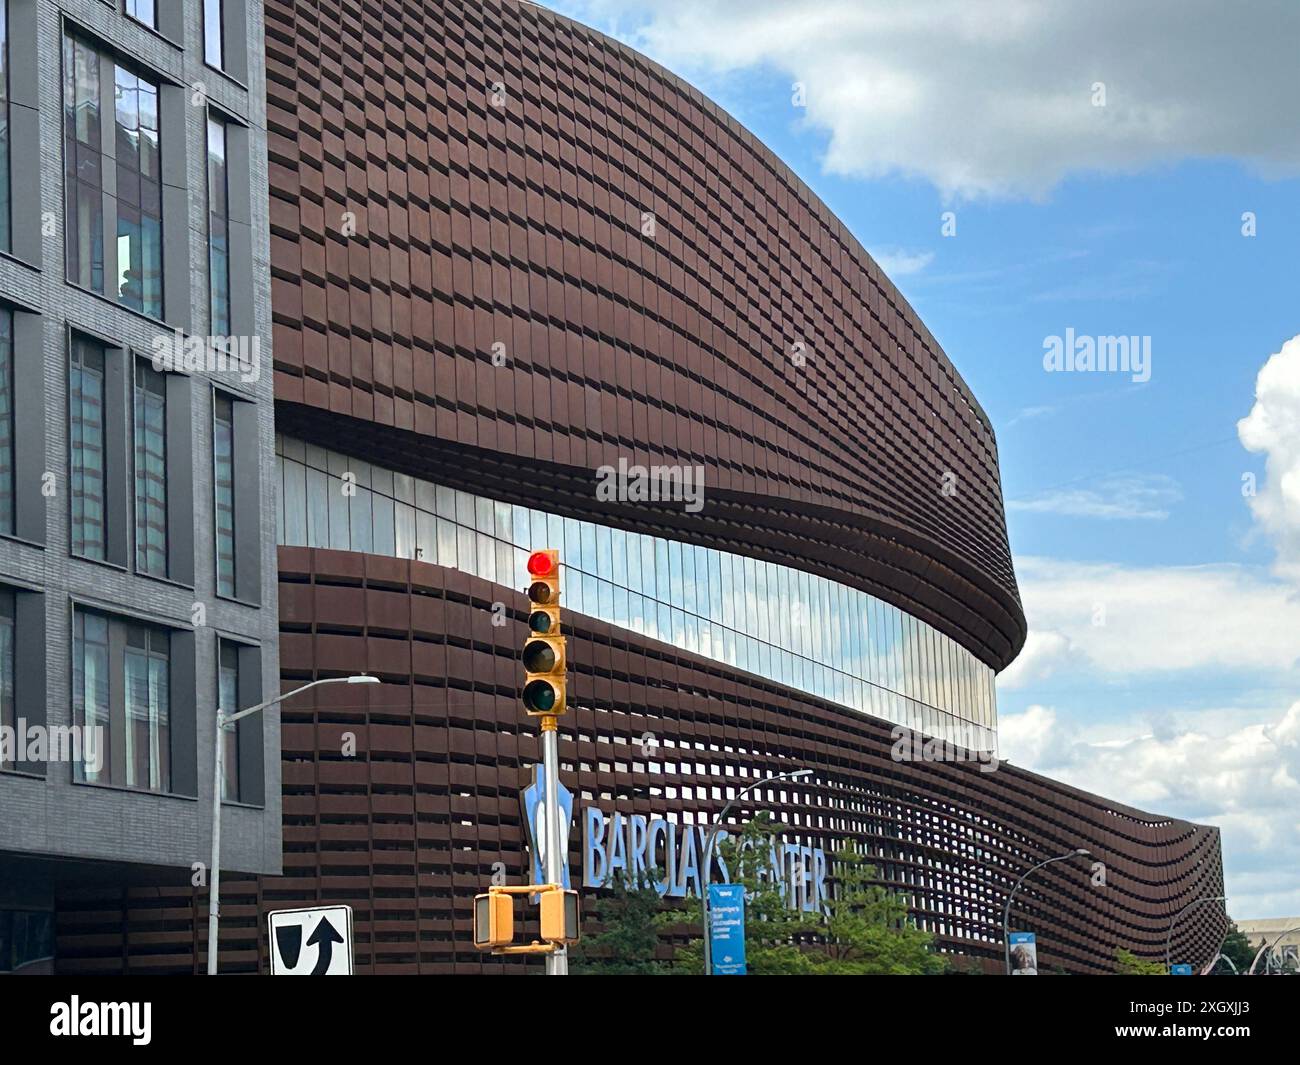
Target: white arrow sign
[311, 942]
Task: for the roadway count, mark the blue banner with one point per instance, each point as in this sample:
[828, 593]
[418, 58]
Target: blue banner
[727, 929]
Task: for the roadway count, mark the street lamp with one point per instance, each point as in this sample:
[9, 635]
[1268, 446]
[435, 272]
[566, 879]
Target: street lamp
[1006, 910]
[706, 865]
[1265, 946]
[225, 722]
[1195, 902]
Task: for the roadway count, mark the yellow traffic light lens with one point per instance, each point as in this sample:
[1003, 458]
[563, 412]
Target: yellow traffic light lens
[539, 592]
[539, 696]
[539, 621]
[539, 657]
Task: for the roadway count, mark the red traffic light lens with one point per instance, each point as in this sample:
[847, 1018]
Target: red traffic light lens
[539, 564]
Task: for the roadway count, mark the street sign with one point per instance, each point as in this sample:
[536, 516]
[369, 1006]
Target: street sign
[316, 941]
[1180, 969]
[1024, 954]
[533, 800]
[727, 929]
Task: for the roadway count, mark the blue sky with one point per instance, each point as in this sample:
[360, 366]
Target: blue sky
[1164, 604]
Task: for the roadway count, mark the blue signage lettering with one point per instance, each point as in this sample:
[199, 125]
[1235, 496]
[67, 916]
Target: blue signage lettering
[633, 844]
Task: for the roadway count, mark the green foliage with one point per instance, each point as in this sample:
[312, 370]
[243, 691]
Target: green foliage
[1237, 947]
[630, 916]
[866, 932]
[869, 932]
[1129, 964]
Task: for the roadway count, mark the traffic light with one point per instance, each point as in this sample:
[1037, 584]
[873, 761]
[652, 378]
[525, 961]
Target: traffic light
[494, 920]
[544, 659]
[560, 916]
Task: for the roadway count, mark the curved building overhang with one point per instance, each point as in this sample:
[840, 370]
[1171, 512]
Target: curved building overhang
[608, 266]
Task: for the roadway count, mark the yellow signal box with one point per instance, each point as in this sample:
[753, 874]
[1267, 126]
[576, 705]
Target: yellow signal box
[561, 916]
[545, 679]
[494, 920]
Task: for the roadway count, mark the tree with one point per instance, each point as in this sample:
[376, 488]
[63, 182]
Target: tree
[1129, 964]
[629, 937]
[775, 935]
[1237, 948]
[866, 931]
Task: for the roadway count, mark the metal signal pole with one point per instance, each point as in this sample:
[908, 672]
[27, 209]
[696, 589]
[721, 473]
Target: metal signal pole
[557, 962]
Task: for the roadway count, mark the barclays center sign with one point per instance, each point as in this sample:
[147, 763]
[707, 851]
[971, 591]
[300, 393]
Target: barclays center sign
[632, 846]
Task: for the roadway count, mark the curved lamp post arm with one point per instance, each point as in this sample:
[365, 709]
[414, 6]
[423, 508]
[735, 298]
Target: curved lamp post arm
[1006, 909]
[1169, 935]
[225, 722]
[706, 859]
[1269, 947]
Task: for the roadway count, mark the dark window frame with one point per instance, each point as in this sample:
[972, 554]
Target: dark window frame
[219, 318]
[239, 663]
[150, 404]
[122, 642]
[82, 369]
[119, 183]
[6, 173]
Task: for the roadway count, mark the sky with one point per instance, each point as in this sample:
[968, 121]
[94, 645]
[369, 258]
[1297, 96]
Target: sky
[1028, 171]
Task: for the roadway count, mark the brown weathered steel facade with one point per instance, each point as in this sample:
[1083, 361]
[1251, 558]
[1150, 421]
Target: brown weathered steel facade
[507, 251]
[409, 829]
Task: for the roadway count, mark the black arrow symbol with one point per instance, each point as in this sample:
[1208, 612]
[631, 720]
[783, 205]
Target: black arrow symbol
[325, 936]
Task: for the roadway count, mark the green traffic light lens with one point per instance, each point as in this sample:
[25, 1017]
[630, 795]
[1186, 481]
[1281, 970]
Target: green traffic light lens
[539, 695]
[539, 657]
[539, 621]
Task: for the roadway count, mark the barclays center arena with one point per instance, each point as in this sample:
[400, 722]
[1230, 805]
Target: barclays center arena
[518, 271]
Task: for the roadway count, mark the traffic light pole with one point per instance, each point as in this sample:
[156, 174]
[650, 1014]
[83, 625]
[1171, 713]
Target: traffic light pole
[557, 962]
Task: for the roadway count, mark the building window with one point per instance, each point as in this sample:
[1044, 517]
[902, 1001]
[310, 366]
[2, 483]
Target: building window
[147, 711]
[111, 656]
[6, 421]
[228, 701]
[136, 203]
[150, 470]
[87, 449]
[223, 457]
[218, 229]
[214, 47]
[139, 193]
[27, 942]
[90, 687]
[8, 666]
[143, 11]
[5, 235]
[83, 163]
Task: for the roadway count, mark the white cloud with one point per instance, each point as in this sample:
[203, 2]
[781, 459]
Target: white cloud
[995, 99]
[1121, 620]
[1146, 496]
[1273, 428]
[1245, 780]
[898, 262]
